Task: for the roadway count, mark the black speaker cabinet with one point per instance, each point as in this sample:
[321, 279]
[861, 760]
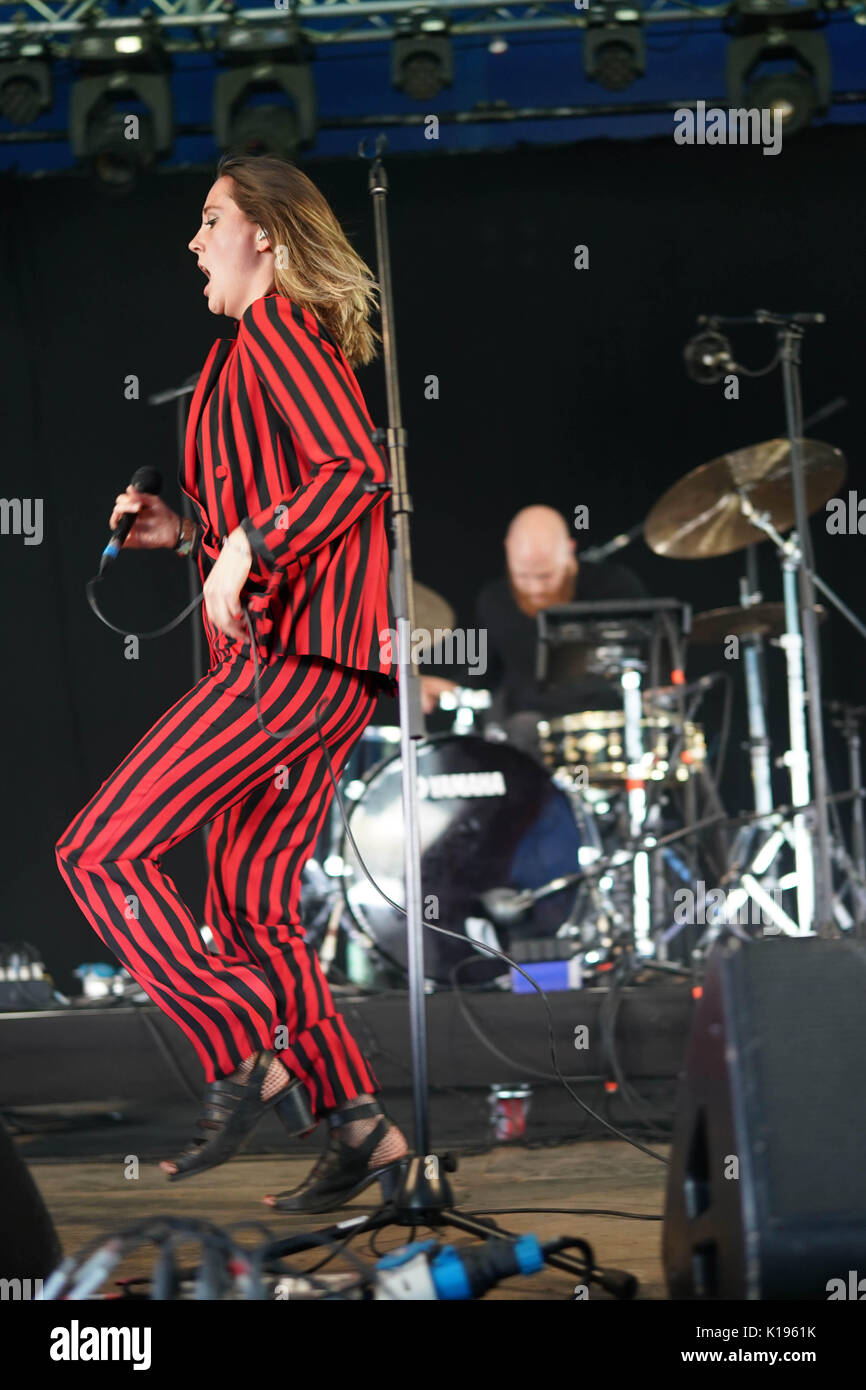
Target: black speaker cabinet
[29, 1246]
[766, 1194]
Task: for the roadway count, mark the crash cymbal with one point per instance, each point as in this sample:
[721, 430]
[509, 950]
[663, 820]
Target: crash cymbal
[432, 610]
[700, 516]
[760, 620]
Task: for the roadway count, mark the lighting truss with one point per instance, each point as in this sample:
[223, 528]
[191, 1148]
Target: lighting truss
[193, 26]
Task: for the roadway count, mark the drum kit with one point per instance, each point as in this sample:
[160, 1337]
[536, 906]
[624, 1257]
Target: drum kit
[583, 845]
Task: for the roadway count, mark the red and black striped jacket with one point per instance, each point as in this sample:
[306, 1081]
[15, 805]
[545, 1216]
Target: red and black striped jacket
[278, 442]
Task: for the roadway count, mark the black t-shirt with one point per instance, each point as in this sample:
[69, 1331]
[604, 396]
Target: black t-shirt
[512, 638]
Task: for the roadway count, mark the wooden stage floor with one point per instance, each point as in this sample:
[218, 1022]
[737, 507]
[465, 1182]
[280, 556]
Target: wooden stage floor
[89, 1198]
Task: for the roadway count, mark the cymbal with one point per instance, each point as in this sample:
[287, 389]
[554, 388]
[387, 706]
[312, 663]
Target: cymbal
[700, 516]
[432, 610]
[760, 620]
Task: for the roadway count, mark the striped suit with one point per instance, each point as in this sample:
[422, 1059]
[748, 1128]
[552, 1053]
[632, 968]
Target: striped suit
[278, 440]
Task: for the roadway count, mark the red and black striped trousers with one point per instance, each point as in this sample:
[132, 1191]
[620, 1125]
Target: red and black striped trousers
[207, 761]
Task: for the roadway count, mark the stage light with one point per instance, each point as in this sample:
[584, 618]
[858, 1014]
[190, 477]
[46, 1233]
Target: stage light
[792, 94]
[265, 61]
[120, 111]
[422, 56]
[614, 51]
[25, 80]
[266, 129]
[796, 79]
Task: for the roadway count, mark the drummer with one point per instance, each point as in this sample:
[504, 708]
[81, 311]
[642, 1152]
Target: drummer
[542, 569]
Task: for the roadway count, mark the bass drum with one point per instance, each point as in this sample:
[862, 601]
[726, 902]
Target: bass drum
[490, 817]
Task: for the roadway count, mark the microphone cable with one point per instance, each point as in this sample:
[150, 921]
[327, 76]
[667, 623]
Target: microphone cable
[125, 632]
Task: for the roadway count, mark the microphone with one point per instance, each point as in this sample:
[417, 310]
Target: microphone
[596, 553]
[507, 906]
[708, 357]
[143, 480]
[671, 692]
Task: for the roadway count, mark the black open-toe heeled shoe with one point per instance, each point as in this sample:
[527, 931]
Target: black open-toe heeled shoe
[230, 1113]
[342, 1170]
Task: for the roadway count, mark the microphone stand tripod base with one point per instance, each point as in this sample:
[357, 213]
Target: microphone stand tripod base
[421, 1196]
[424, 1191]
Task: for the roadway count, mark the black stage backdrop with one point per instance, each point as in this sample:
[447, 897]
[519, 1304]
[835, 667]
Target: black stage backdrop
[555, 385]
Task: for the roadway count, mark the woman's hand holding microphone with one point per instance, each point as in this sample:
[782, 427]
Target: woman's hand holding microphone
[156, 525]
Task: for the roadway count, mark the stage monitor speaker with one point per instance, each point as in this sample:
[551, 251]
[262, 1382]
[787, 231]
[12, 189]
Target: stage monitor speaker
[766, 1194]
[29, 1245]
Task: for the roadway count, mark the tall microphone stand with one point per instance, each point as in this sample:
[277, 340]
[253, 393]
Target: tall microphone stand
[423, 1194]
[409, 692]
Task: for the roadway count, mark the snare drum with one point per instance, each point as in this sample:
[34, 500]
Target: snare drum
[595, 739]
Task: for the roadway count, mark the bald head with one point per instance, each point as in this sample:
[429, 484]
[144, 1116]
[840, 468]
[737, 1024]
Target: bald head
[535, 529]
[540, 554]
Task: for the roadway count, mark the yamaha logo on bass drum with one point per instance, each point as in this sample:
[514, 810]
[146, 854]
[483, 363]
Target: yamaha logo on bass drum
[461, 785]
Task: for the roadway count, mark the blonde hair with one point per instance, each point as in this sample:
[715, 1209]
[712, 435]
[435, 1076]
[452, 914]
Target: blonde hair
[324, 273]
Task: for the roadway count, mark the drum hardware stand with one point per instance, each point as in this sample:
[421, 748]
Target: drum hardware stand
[630, 681]
[848, 724]
[602, 616]
[609, 923]
[815, 891]
[856, 925]
[687, 868]
[758, 745]
[690, 816]
[753, 666]
[619, 859]
[423, 1193]
[797, 757]
[798, 834]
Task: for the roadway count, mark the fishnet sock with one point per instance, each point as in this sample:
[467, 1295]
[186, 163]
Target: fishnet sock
[393, 1144]
[275, 1079]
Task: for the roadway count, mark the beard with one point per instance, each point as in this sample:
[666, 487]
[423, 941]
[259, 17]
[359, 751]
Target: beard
[564, 593]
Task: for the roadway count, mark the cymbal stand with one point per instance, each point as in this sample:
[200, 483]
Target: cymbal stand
[763, 861]
[790, 329]
[798, 833]
[753, 669]
[797, 756]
